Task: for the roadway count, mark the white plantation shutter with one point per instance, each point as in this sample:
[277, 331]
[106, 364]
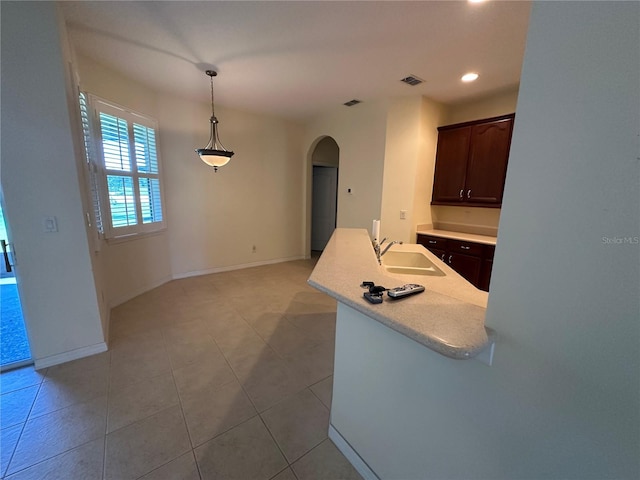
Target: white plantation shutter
[91, 166]
[129, 170]
[122, 201]
[145, 139]
[115, 143]
[150, 202]
[148, 181]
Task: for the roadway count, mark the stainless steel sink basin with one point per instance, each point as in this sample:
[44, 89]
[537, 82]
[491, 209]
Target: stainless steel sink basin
[410, 263]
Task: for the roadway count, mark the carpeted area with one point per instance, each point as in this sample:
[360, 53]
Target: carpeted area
[14, 346]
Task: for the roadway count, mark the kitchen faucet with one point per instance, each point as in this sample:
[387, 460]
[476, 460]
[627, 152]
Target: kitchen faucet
[376, 248]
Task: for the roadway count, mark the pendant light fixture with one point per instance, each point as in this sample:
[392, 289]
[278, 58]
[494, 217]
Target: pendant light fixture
[214, 154]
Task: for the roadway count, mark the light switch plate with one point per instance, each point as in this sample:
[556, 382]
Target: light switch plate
[49, 224]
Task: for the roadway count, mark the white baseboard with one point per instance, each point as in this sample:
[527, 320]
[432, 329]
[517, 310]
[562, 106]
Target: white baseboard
[347, 450]
[139, 291]
[70, 355]
[208, 271]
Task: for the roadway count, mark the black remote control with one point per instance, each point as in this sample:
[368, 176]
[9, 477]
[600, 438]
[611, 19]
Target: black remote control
[405, 290]
[373, 297]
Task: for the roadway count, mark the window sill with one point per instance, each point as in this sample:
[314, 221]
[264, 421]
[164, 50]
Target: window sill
[133, 236]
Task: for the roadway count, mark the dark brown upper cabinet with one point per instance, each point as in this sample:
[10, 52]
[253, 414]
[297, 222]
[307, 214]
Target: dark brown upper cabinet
[471, 162]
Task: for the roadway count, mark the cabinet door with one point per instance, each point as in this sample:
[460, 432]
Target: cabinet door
[441, 254]
[451, 165]
[467, 266]
[431, 243]
[488, 155]
[487, 266]
[485, 274]
[467, 248]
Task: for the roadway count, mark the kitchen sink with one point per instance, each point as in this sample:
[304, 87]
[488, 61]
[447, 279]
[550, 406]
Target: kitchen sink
[410, 263]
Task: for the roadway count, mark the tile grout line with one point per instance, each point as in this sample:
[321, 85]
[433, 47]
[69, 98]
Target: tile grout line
[315, 395]
[24, 425]
[275, 441]
[165, 346]
[51, 458]
[307, 387]
[232, 369]
[259, 414]
[184, 417]
[194, 447]
[106, 420]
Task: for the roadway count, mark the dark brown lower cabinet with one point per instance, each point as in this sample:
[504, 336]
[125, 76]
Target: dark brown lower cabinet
[487, 265]
[467, 266]
[441, 254]
[471, 260]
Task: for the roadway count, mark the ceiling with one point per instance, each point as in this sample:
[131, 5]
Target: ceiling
[300, 58]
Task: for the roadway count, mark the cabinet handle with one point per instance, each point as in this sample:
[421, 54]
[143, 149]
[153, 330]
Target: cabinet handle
[432, 242]
[465, 247]
[469, 193]
[461, 192]
[450, 256]
[442, 258]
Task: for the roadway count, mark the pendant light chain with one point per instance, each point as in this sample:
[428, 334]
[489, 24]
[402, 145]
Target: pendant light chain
[213, 113]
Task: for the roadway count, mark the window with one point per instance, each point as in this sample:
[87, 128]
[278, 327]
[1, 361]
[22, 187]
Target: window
[124, 168]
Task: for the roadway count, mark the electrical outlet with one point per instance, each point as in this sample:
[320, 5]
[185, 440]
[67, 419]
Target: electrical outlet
[403, 214]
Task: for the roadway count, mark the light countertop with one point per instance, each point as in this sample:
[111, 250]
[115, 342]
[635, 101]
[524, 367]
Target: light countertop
[469, 237]
[448, 317]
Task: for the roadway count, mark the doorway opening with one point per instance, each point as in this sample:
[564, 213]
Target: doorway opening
[14, 345]
[325, 160]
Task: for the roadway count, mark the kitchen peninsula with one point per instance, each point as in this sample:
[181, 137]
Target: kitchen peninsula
[447, 318]
[384, 352]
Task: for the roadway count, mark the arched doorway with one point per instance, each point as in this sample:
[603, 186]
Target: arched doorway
[325, 159]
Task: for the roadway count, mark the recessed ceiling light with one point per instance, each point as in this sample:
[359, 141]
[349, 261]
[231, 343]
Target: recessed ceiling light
[469, 77]
[476, 1]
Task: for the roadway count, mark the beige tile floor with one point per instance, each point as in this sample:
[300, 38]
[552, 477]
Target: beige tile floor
[224, 376]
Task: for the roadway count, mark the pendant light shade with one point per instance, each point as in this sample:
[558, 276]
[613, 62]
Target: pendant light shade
[214, 154]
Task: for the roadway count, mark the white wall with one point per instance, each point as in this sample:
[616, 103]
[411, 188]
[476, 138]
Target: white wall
[131, 267]
[561, 400]
[360, 133]
[430, 118]
[498, 103]
[40, 178]
[213, 219]
[409, 163]
[570, 323]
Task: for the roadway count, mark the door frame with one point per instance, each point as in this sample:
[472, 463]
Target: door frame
[10, 241]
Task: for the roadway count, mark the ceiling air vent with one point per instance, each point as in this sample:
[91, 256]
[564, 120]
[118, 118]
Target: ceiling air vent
[412, 80]
[351, 103]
